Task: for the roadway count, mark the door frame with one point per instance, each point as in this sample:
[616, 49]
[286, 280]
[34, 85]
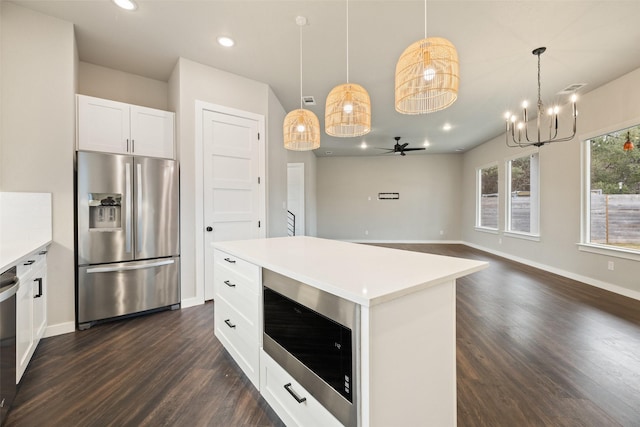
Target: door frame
[200, 107]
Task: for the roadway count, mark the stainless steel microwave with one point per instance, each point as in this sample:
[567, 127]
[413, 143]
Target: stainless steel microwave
[314, 335]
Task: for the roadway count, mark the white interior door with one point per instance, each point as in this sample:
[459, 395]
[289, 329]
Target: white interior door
[232, 192]
[295, 195]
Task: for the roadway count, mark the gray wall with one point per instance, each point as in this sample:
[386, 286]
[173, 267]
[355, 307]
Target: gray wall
[607, 108]
[107, 83]
[430, 195]
[39, 68]
[276, 170]
[191, 82]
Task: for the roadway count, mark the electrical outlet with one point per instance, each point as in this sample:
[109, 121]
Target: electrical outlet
[610, 265]
[500, 241]
[442, 232]
[366, 232]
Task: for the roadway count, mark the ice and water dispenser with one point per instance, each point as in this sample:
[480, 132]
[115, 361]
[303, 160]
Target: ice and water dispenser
[105, 211]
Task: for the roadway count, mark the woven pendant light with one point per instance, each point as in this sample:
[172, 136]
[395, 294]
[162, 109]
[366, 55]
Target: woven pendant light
[301, 130]
[348, 108]
[301, 127]
[427, 75]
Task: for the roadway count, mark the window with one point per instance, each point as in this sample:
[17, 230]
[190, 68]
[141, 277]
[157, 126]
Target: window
[613, 190]
[523, 194]
[487, 203]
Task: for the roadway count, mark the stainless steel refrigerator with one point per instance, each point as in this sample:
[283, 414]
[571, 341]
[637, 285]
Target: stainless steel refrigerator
[127, 220]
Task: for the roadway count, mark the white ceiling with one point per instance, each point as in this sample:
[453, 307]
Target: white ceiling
[589, 42]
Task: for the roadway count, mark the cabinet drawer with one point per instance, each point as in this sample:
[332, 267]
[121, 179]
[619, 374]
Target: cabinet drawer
[239, 336]
[238, 293]
[240, 267]
[278, 388]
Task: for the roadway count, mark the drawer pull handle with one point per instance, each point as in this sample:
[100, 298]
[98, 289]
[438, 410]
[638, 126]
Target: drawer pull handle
[230, 261]
[31, 261]
[229, 324]
[294, 394]
[229, 284]
[39, 294]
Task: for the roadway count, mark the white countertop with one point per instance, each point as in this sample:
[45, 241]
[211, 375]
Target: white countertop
[25, 225]
[367, 275]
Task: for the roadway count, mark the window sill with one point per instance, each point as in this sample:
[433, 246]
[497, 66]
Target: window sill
[610, 251]
[487, 230]
[525, 236]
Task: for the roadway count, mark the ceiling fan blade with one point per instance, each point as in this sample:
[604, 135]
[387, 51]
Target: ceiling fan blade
[403, 146]
[413, 149]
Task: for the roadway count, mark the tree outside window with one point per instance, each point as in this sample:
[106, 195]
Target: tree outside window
[614, 190]
[487, 205]
[523, 192]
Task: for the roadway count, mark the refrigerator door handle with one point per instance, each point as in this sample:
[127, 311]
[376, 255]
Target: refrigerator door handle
[130, 267]
[139, 206]
[128, 201]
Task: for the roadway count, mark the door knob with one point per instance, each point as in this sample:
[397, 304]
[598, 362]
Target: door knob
[209, 228]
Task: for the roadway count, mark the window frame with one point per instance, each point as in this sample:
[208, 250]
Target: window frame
[585, 244]
[534, 179]
[478, 225]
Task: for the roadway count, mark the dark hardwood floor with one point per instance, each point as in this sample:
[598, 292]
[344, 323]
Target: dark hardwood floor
[534, 349]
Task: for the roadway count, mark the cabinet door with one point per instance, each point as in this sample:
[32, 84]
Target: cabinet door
[103, 125]
[40, 301]
[24, 325]
[151, 132]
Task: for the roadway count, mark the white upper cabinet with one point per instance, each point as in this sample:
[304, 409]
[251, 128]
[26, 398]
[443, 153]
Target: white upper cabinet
[115, 127]
[151, 132]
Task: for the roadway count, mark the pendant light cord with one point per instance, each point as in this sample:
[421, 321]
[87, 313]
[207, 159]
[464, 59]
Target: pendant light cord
[425, 19]
[301, 67]
[347, 41]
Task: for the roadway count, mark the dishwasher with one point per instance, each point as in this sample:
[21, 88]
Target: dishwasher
[9, 284]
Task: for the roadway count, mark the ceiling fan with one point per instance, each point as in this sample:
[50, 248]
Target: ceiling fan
[400, 148]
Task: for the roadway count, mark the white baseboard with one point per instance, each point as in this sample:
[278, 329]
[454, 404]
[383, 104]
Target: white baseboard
[59, 329]
[568, 274]
[191, 302]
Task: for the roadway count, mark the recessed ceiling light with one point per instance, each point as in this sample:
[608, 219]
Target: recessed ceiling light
[447, 126]
[225, 41]
[459, 149]
[363, 145]
[126, 4]
[426, 143]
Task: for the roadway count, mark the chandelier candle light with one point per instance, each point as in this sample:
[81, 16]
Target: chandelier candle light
[516, 128]
[348, 107]
[427, 75]
[301, 127]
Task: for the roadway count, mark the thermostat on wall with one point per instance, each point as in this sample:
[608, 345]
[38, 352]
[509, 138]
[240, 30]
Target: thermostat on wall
[388, 196]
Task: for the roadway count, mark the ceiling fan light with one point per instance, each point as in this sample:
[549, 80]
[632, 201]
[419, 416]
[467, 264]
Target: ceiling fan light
[427, 76]
[347, 111]
[301, 130]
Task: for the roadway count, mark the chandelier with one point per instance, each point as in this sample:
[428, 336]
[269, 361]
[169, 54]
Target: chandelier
[517, 129]
[348, 107]
[301, 127]
[427, 75]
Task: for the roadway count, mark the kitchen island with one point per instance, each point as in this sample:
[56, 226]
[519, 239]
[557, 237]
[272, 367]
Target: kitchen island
[406, 337]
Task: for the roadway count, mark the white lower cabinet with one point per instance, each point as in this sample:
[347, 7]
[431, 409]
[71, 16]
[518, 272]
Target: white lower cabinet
[237, 307]
[293, 404]
[31, 309]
